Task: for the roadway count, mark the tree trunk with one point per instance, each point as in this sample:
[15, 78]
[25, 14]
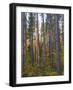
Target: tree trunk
[50, 39]
[37, 42]
[43, 45]
[57, 32]
[31, 38]
[23, 38]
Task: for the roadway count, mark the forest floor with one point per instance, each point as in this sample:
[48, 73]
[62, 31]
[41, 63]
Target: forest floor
[43, 68]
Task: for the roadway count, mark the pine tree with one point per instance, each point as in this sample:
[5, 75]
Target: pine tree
[49, 18]
[57, 33]
[43, 44]
[23, 38]
[31, 28]
[37, 40]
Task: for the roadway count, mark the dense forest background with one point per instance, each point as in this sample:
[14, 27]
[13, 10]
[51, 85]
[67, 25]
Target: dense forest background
[42, 44]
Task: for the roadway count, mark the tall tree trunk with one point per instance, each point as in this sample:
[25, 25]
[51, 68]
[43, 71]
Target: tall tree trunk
[31, 38]
[63, 30]
[37, 42]
[57, 32]
[43, 46]
[50, 39]
[23, 38]
[46, 41]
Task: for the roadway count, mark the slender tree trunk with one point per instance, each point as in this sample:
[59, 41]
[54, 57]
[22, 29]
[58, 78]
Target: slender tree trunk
[63, 30]
[31, 38]
[43, 46]
[46, 40]
[57, 32]
[50, 48]
[31, 47]
[50, 39]
[37, 43]
[23, 38]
